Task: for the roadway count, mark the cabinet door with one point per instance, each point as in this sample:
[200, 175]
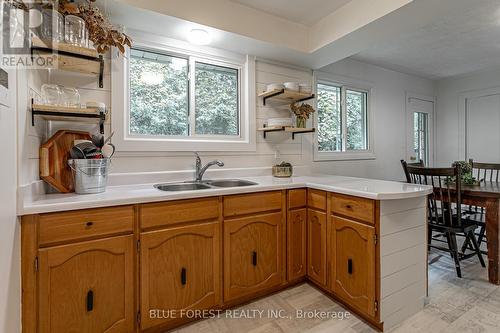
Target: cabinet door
[87, 287]
[179, 271]
[353, 260]
[316, 243]
[296, 244]
[252, 254]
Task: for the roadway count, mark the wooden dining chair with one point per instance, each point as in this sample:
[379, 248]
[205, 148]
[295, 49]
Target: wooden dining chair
[483, 172]
[420, 163]
[444, 209]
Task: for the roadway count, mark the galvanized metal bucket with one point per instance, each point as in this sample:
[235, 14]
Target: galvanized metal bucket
[90, 175]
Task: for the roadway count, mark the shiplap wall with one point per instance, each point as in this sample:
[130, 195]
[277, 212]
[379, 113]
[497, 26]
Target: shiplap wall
[295, 151]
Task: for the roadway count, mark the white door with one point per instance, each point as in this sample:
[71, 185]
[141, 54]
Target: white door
[420, 133]
[482, 124]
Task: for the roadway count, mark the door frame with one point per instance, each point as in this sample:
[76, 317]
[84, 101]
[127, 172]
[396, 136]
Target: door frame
[409, 124]
[462, 116]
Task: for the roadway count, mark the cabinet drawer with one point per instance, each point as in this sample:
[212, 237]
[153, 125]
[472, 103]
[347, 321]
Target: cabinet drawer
[251, 203]
[297, 198]
[83, 224]
[316, 199]
[180, 211]
[354, 207]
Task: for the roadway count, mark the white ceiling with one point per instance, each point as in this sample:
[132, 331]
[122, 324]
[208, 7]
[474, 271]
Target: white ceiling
[305, 12]
[465, 40]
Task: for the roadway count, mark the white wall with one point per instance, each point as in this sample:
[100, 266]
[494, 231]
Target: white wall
[124, 162]
[388, 95]
[448, 99]
[10, 261]
[388, 109]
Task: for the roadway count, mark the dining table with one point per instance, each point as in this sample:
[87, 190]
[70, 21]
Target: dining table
[487, 194]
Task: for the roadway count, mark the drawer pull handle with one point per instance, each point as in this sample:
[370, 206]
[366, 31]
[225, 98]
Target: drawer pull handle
[90, 300]
[348, 206]
[183, 276]
[89, 224]
[254, 258]
[349, 266]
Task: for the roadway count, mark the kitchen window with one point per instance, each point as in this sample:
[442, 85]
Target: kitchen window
[183, 100]
[343, 122]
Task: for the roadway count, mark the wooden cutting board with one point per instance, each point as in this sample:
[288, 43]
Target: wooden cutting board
[54, 155]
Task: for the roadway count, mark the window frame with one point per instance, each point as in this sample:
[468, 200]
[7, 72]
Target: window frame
[345, 84]
[120, 90]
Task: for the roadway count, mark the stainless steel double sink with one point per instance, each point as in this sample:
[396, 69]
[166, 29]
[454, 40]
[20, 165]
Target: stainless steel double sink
[203, 185]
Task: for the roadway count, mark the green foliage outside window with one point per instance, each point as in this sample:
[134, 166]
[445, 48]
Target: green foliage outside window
[159, 97]
[331, 115]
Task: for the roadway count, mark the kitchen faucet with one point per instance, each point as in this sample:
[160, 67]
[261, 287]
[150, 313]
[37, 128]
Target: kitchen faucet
[201, 170]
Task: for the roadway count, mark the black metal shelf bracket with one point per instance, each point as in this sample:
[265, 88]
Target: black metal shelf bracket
[282, 91]
[279, 92]
[312, 130]
[101, 116]
[99, 59]
[272, 130]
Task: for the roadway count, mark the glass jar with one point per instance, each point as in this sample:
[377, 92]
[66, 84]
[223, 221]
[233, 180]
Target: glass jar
[70, 97]
[75, 31]
[51, 94]
[52, 28]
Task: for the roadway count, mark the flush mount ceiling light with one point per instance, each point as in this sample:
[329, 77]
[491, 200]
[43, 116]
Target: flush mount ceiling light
[199, 37]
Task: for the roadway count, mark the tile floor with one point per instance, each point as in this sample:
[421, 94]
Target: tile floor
[470, 304]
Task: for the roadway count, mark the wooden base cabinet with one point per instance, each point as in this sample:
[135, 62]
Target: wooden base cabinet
[316, 246]
[87, 287]
[353, 258]
[179, 271]
[253, 254]
[296, 240]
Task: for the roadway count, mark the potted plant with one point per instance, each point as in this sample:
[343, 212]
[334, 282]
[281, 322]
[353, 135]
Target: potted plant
[466, 173]
[101, 32]
[302, 113]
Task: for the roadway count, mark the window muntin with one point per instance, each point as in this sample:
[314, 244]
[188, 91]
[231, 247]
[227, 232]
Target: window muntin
[342, 119]
[178, 96]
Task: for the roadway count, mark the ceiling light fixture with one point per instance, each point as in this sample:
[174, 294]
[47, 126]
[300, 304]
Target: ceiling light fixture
[199, 37]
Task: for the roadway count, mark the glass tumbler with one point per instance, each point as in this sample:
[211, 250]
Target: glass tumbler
[52, 28]
[70, 97]
[74, 30]
[51, 94]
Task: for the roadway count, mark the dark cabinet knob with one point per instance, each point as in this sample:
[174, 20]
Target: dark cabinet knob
[348, 206]
[89, 224]
[90, 300]
[254, 258]
[349, 266]
[183, 276]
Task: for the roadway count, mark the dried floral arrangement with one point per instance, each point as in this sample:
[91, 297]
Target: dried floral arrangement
[101, 32]
[302, 111]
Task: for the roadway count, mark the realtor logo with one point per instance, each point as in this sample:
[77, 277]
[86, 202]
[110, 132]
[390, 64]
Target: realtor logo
[23, 23]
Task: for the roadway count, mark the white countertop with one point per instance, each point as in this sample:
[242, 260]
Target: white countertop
[131, 194]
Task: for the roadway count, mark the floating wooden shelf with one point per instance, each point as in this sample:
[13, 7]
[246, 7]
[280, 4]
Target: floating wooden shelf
[293, 130]
[61, 113]
[285, 96]
[70, 57]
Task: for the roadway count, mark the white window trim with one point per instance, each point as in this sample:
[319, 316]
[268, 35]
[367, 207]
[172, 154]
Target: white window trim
[245, 141]
[355, 85]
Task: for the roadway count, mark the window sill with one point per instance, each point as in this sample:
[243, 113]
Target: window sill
[344, 156]
[138, 144]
